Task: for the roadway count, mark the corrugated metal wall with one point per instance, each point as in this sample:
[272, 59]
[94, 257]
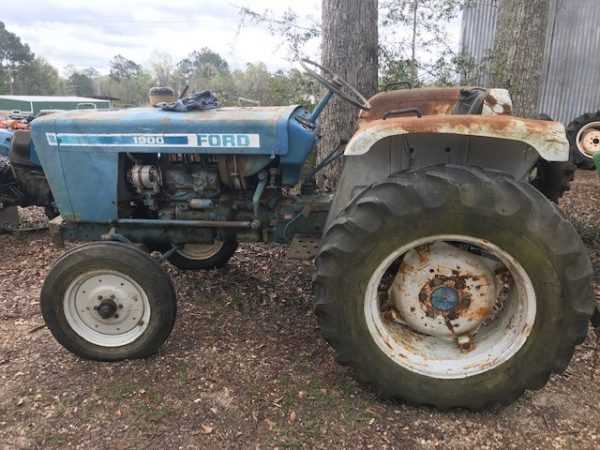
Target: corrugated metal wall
[478, 31]
[571, 78]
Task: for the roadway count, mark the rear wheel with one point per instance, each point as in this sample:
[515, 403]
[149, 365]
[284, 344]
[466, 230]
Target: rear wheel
[108, 301]
[441, 287]
[204, 256]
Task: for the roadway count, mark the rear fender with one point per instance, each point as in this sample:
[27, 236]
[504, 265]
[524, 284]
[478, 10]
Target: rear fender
[546, 138]
[381, 148]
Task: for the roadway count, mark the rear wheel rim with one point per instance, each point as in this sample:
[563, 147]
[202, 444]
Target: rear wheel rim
[201, 252]
[494, 340]
[107, 308]
[588, 139]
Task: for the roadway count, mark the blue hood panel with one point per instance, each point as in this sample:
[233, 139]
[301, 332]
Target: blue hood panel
[247, 131]
[79, 150]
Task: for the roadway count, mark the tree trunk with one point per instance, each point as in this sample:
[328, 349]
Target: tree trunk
[518, 57]
[349, 48]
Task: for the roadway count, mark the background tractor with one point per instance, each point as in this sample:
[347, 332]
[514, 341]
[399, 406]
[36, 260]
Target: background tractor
[22, 179]
[443, 275]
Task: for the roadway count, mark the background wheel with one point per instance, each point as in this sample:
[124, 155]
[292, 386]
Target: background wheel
[441, 286]
[584, 137]
[108, 301]
[204, 256]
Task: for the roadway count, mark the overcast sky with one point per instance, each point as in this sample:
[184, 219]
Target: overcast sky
[88, 33]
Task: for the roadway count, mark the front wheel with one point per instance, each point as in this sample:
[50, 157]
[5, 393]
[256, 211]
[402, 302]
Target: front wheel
[453, 287]
[108, 301]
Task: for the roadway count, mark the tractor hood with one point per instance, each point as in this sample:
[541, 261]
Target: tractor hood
[80, 150]
[248, 131]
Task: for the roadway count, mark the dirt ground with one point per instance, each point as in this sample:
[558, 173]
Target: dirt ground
[246, 368]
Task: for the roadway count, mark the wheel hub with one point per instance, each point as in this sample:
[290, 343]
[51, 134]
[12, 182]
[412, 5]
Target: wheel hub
[442, 290]
[421, 327]
[107, 308]
[588, 139]
[591, 141]
[444, 298]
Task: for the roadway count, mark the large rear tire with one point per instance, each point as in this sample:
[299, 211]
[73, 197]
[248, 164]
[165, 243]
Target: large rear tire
[108, 301]
[416, 239]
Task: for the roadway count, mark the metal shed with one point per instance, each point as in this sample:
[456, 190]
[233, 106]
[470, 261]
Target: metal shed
[36, 103]
[571, 71]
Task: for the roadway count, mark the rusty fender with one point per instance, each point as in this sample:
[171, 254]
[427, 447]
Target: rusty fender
[548, 139]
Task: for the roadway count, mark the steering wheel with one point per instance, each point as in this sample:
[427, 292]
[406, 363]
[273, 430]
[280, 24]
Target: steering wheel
[336, 84]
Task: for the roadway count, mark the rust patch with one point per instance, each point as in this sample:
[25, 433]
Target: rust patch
[547, 138]
[468, 124]
[423, 253]
[455, 281]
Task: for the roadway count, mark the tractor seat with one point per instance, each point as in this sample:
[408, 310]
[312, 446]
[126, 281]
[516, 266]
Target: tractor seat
[429, 101]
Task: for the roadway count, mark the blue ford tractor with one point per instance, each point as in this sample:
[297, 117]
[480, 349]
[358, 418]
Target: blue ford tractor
[443, 275]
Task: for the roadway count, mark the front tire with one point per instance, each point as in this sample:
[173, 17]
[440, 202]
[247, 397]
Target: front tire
[108, 301]
[443, 215]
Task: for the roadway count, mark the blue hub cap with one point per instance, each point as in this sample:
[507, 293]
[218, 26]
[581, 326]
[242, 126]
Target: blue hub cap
[444, 298]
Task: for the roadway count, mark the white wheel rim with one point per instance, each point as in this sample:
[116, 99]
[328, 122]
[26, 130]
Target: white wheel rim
[87, 292]
[201, 252]
[493, 343]
[588, 139]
